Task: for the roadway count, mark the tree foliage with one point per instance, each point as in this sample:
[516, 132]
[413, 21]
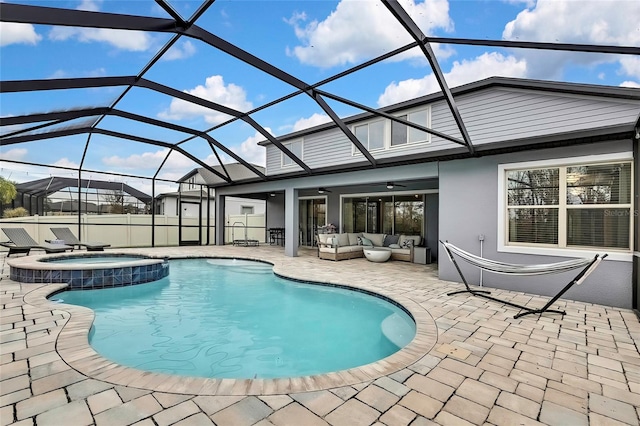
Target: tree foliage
[7, 190]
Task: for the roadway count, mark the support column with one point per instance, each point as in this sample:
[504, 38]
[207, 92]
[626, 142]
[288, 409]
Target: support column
[291, 219]
[636, 226]
[219, 219]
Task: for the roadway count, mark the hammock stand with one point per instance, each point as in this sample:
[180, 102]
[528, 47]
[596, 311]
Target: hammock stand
[587, 265]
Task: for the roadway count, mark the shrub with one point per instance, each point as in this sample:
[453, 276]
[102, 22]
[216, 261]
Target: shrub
[17, 212]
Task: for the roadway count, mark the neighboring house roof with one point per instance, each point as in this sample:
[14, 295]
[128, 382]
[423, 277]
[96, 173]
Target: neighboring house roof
[518, 83]
[236, 171]
[46, 186]
[184, 194]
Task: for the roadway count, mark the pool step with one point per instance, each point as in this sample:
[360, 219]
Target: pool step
[397, 330]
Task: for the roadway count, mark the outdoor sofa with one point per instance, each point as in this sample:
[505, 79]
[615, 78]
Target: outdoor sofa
[351, 245]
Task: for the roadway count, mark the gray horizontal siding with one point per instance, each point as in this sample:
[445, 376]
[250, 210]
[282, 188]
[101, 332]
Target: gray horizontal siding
[492, 115]
[327, 148]
[506, 114]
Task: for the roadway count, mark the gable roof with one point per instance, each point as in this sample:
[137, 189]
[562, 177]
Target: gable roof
[607, 92]
[236, 172]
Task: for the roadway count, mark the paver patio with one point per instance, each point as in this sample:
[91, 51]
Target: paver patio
[482, 366]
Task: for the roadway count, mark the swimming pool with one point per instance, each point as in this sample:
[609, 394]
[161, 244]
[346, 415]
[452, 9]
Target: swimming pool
[235, 319]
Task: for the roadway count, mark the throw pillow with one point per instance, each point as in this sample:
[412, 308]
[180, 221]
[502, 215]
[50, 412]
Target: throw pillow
[396, 246]
[407, 244]
[390, 239]
[359, 241]
[366, 242]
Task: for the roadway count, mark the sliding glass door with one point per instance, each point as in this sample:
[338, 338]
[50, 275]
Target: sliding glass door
[388, 214]
[312, 215]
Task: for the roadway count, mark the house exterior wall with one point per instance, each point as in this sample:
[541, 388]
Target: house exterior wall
[491, 115]
[503, 114]
[469, 207]
[233, 206]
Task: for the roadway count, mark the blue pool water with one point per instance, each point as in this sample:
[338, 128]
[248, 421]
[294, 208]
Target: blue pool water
[236, 319]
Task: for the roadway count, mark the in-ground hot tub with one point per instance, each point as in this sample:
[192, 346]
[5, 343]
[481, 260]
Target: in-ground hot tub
[88, 270]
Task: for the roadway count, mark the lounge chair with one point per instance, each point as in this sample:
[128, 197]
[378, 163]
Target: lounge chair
[21, 242]
[68, 237]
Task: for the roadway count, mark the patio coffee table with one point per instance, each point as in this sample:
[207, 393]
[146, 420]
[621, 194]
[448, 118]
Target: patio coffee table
[377, 254]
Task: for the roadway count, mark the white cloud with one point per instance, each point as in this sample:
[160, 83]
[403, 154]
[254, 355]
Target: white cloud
[180, 51]
[358, 30]
[483, 66]
[149, 160]
[315, 120]
[566, 21]
[136, 41]
[633, 84]
[16, 33]
[15, 154]
[90, 5]
[250, 151]
[65, 162]
[630, 65]
[528, 3]
[214, 90]
[58, 74]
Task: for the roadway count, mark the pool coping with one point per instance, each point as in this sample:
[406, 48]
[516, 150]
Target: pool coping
[73, 347]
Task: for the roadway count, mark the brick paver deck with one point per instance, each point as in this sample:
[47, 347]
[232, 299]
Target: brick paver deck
[473, 363]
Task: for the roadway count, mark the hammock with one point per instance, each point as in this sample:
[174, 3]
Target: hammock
[516, 269]
[588, 265]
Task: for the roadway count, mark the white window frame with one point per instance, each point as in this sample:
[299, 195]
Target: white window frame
[409, 143]
[285, 161]
[385, 137]
[388, 125]
[625, 255]
[252, 208]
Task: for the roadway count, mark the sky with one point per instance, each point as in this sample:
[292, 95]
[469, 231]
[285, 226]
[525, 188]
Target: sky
[311, 40]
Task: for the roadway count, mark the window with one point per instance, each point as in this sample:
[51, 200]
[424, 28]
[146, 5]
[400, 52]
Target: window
[246, 209]
[401, 134]
[570, 206]
[371, 135]
[296, 148]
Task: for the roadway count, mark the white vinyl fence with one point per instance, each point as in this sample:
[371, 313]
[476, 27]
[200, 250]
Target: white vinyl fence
[127, 230]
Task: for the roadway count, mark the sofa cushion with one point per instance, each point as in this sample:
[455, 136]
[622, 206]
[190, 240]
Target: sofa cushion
[394, 246]
[376, 239]
[401, 251]
[390, 239]
[323, 237]
[342, 240]
[345, 249]
[353, 238]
